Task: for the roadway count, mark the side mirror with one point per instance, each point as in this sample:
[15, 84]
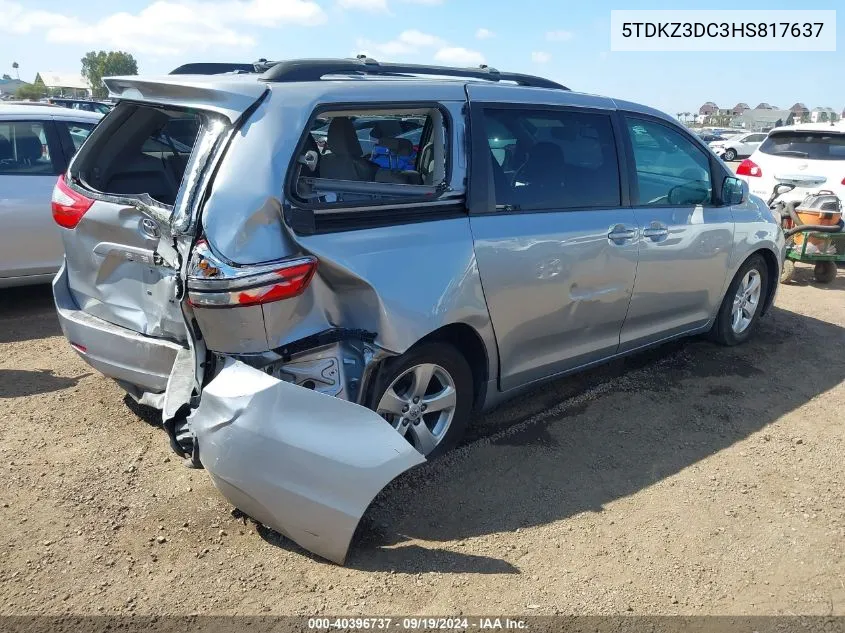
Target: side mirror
[734, 191]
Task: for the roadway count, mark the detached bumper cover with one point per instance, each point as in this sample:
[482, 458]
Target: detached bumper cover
[301, 462]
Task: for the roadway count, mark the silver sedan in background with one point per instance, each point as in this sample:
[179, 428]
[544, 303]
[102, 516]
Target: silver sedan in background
[36, 144]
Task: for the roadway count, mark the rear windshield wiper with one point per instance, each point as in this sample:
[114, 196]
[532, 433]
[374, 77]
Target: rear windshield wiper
[792, 152]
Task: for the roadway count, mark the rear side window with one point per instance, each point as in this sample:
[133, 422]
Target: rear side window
[24, 149]
[137, 150]
[78, 133]
[670, 168]
[809, 145]
[548, 159]
[354, 157]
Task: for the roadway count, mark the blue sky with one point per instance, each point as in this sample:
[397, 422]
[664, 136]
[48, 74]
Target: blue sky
[563, 40]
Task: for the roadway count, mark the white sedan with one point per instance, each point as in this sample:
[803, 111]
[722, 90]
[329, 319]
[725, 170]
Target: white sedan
[738, 146]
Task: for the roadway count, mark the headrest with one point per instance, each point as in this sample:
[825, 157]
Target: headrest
[397, 146]
[341, 138]
[387, 128]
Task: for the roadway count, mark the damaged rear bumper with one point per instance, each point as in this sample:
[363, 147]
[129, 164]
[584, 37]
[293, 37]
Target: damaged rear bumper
[141, 362]
[301, 462]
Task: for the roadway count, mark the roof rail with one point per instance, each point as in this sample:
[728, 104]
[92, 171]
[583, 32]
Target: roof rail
[316, 69]
[218, 68]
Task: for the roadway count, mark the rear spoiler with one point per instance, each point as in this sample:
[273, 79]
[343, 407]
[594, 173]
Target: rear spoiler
[230, 96]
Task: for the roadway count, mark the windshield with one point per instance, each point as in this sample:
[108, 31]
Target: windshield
[809, 145]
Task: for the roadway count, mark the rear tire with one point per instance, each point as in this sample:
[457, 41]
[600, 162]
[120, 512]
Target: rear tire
[740, 310]
[788, 272]
[825, 272]
[401, 399]
[730, 155]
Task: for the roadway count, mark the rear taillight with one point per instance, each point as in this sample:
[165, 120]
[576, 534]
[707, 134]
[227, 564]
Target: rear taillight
[68, 205]
[843, 181]
[213, 283]
[749, 168]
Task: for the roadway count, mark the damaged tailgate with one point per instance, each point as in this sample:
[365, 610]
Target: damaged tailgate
[301, 462]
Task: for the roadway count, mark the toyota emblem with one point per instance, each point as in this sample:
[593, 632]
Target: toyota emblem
[150, 228]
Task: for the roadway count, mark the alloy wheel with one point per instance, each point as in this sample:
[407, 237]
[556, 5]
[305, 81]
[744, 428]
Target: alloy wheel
[746, 300]
[420, 404]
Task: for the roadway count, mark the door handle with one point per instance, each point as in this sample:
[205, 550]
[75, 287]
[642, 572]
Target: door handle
[620, 233]
[655, 231]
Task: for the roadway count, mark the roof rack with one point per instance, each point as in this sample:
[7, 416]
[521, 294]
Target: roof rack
[316, 69]
[219, 68]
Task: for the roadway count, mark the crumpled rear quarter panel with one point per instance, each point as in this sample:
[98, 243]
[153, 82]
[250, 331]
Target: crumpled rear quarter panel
[303, 463]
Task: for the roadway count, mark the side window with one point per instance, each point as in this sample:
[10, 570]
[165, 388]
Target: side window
[78, 132]
[552, 159]
[349, 157]
[756, 138]
[670, 169]
[24, 149]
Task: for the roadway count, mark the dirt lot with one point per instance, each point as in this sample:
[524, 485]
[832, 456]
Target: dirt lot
[693, 479]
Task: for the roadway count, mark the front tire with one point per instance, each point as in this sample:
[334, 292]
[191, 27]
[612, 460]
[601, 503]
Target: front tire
[740, 310]
[825, 272]
[427, 396]
[730, 155]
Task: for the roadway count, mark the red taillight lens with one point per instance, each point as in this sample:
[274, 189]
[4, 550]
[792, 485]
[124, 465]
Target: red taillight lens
[749, 168]
[292, 281]
[213, 283]
[68, 206]
[843, 181]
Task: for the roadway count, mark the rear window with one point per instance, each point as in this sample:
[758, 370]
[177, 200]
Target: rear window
[809, 145]
[139, 149]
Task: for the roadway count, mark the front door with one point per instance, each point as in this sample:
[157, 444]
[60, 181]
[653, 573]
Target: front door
[685, 239]
[556, 249]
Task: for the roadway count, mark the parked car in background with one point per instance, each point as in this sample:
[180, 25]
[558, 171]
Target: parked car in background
[738, 146]
[233, 278]
[86, 105]
[36, 144]
[808, 149]
[709, 137]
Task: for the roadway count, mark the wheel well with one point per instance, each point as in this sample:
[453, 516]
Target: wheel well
[773, 276]
[466, 340]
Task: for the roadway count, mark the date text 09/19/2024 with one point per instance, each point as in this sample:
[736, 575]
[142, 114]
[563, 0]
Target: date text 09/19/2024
[415, 623]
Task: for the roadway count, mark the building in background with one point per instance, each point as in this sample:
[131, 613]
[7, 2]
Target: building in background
[823, 115]
[63, 84]
[762, 119]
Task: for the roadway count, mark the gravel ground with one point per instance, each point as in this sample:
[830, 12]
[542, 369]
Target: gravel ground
[692, 479]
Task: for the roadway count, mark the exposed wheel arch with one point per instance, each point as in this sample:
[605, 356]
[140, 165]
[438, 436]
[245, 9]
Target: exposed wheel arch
[466, 340]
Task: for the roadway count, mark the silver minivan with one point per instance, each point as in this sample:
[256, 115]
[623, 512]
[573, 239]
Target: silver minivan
[36, 143]
[313, 318]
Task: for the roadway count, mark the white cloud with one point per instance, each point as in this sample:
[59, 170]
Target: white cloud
[459, 56]
[559, 35]
[407, 43]
[413, 44]
[375, 6]
[484, 34]
[165, 27]
[540, 58]
[428, 2]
